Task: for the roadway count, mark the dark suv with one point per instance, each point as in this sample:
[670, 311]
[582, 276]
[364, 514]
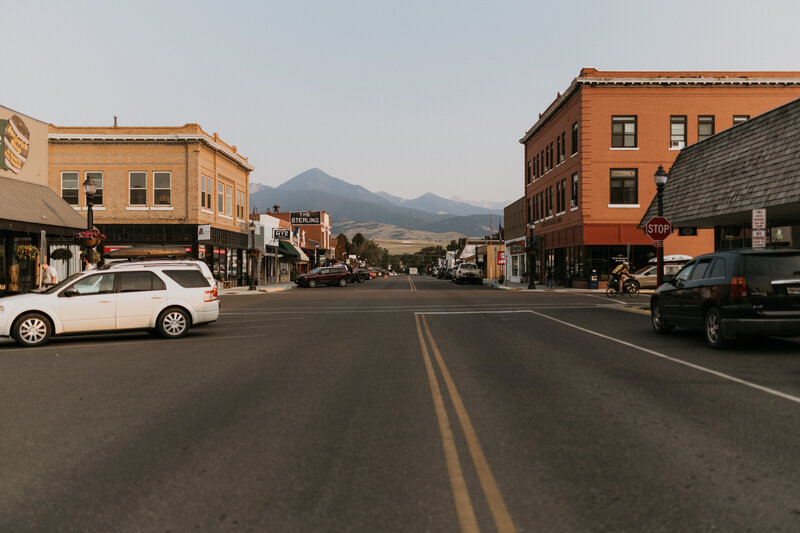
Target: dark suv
[332, 275]
[733, 292]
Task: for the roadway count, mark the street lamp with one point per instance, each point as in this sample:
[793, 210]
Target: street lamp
[660, 177]
[531, 283]
[89, 189]
[254, 255]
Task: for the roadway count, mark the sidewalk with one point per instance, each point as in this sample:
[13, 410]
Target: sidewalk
[510, 286]
[263, 288]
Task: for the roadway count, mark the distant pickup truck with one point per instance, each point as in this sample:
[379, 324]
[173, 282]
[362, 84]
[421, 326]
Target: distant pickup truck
[413, 271]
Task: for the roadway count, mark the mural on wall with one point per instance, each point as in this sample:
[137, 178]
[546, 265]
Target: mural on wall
[14, 144]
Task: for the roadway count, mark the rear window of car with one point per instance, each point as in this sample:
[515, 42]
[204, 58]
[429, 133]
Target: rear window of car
[188, 278]
[772, 266]
[467, 265]
[140, 281]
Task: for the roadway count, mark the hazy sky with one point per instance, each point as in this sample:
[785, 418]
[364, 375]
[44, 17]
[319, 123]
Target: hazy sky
[405, 96]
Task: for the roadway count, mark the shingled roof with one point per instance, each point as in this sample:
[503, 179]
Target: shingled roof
[755, 164]
[30, 203]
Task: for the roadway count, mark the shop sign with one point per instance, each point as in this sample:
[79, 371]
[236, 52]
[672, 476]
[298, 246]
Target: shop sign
[501, 257]
[552, 221]
[516, 248]
[14, 144]
[281, 233]
[204, 232]
[300, 218]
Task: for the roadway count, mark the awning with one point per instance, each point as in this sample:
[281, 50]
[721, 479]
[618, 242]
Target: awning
[292, 251]
[29, 207]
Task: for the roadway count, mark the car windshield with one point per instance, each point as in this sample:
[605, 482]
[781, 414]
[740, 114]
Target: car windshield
[61, 285]
[315, 271]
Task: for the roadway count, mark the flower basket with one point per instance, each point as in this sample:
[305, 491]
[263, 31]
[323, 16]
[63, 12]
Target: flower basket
[92, 255]
[26, 252]
[61, 254]
[253, 252]
[89, 238]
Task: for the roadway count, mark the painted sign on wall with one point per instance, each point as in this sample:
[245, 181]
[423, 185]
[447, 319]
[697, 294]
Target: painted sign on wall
[299, 218]
[15, 144]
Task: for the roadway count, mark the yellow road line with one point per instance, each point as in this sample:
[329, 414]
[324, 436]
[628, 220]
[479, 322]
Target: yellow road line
[464, 510]
[497, 506]
[411, 284]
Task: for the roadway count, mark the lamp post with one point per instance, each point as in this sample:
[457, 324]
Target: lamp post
[254, 256]
[531, 270]
[89, 189]
[660, 178]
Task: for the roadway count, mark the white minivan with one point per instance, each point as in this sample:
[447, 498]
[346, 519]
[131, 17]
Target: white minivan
[164, 297]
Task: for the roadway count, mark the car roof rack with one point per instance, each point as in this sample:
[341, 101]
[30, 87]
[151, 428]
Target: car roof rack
[140, 253]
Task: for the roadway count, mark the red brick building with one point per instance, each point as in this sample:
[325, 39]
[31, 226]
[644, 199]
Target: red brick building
[313, 232]
[591, 155]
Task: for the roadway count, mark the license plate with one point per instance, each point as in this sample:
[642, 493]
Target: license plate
[792, 290]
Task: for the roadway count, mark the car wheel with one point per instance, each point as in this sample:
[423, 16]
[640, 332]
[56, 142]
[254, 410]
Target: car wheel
[660, 325]
[173, 323]
[342, 282]
[312, 283]
[31, 330]
[713, 329]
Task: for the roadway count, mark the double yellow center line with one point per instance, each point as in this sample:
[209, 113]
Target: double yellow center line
[464, 509]
[411, 283]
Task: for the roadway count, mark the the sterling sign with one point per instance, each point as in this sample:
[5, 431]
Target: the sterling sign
[300, 218]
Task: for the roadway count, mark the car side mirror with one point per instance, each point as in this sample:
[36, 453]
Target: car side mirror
[70, 292]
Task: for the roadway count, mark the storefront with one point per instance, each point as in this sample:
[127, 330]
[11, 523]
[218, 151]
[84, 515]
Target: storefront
[516, 260]
[224, 251]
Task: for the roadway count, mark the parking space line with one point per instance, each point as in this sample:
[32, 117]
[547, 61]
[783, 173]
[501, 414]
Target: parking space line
[716, 373]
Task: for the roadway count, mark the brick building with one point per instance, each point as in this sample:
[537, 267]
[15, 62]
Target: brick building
[515, 231]
[312, 230]
[591, 155]
[159, 185]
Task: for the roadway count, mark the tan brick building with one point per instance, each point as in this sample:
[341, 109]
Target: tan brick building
[159, 185]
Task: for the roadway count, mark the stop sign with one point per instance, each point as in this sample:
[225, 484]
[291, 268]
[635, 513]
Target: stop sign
[658, 228]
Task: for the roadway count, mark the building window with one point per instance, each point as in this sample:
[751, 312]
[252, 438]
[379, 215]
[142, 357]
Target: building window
[558, 197]
[206, 191]
[97, 178]
[574, 196]
[220, 197]
[228, 201]
[623, 132]
[69, 187]
[550, 201]
[562, 152]
[541, 205]
[162, 188]
[575, 138]
[137, 188]
[563, 195]
[677, 131]
[624, 186]
[738, 119]
[530, 172]
[558, 149]
[552, 157]
[240, 207]
[544, 162]
[705, 127]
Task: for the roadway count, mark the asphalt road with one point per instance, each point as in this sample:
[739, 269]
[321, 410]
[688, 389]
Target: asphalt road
[403, 404]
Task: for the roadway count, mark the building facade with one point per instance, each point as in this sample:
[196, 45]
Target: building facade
[591, 155]
[515, 237]
[31, 214]
[159, 185]
[312, 230]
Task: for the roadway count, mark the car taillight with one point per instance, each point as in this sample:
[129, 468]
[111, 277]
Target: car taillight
[738, 288]
[211, 295]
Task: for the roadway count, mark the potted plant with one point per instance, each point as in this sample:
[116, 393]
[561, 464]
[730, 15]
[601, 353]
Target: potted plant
[61, 254]
[89, 238]
[26, 252]
[92, 255]
[253, 252]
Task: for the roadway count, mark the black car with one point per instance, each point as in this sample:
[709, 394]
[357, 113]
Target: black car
[729, 293]
[332, 275]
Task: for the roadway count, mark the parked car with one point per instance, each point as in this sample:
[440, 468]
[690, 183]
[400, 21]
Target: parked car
[729, 293]
[448, 274]
[361, 275]
[441, 273]
[646, 276]
[328, 275]
[467, 272]
[166, 297]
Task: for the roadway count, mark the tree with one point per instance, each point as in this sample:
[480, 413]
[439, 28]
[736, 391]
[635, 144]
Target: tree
[454, 246]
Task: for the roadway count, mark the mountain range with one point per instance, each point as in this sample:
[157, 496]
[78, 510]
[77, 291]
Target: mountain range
[315, 190]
